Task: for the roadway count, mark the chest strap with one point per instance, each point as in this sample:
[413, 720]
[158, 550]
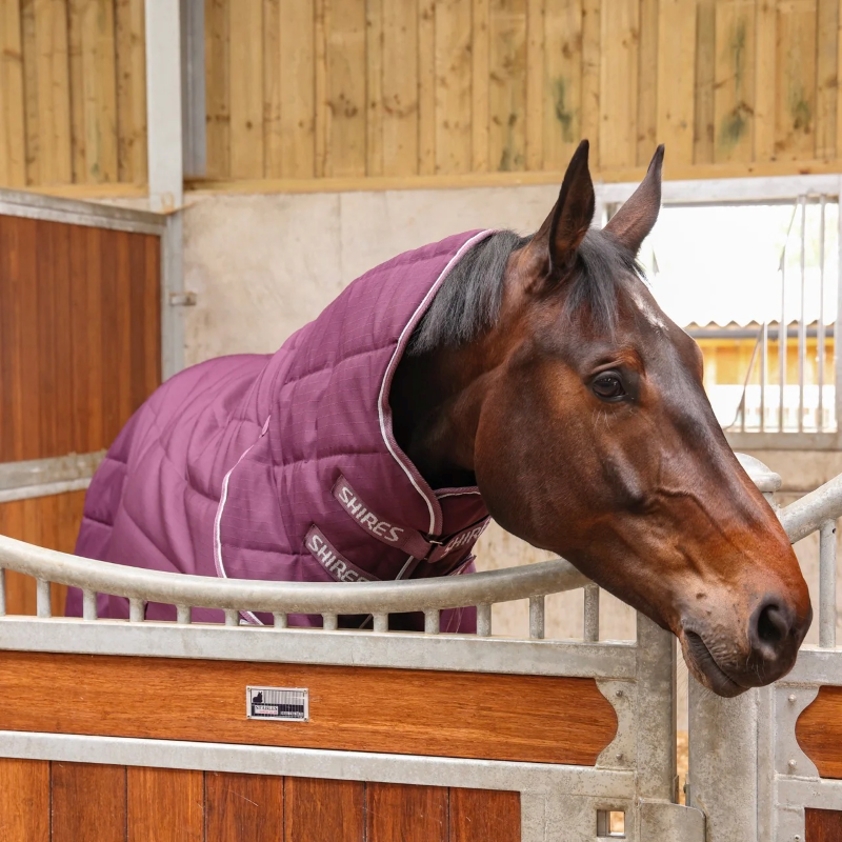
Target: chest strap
[410, 541]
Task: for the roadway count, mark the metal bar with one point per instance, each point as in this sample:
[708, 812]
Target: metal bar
[807, 514]
[827, 584]
[137, 610]
[193, 87]
[484, 620]
[591, 631]
[280, 620]
[77, 212]
[182, 615]
[42, 472]
[782, 326]
[536, 617]
[232, 617]
[291, 597]
[381, 622]
[821, 326]
[172, 284]
[764, 374]
[802, 321]
[837, 328]
[164, 144]
[89, 609]
[432, 621]
[330, 622]
[2, 592]
[42, 599]
[30, 492]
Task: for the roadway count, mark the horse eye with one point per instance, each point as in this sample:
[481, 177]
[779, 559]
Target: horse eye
[608, 387]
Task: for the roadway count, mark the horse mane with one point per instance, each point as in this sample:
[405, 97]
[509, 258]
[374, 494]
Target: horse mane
[469, 300]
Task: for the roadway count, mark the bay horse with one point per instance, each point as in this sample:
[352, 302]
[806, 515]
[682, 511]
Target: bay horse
[534, 379]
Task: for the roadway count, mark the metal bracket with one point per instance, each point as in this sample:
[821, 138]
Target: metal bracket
[183, 299]
[662, 820]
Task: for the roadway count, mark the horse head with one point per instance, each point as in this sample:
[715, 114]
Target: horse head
[581, 413]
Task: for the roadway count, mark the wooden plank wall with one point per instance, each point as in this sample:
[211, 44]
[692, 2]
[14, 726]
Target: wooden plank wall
[42, 801]
[80, 350]
[72, 94]
[322, 89]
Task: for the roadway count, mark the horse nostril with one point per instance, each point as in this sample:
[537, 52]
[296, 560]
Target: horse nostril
[769, 629]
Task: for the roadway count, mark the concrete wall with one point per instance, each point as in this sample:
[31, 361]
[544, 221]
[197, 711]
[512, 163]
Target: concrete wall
[264, 265]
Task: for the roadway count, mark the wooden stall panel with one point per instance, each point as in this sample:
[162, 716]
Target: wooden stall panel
[408, 813]
[318, 809]
[247, 807]
[504, 717]
[164, 805]
[88, 802]
[24, 800]
[477, 815]
[822, 825]
[819, 732]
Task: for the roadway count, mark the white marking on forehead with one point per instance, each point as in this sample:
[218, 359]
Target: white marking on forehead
[652, 315]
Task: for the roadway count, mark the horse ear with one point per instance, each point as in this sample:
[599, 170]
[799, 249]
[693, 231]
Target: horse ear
[636, 218]
[564, 229]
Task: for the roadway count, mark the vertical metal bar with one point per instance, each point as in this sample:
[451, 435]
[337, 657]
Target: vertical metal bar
[827, 584]
[591, 632]
[432, 620]
[330, 622]
[536, 617]
[89, 610]
[782, 327]
[42, 599]
[381, 622]
[182, 614]
[837, 328]
[764, 374]
[802, 320]
[137, 611]
[484, 620]
[164, 143]
[280, 620]
[232, 617]
[193, 87]
[820, 325]
[2, 592]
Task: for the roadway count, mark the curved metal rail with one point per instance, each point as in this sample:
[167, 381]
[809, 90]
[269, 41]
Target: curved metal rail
[531, 582]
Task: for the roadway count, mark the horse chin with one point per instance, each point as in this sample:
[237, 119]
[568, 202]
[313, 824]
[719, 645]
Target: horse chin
[705, 668]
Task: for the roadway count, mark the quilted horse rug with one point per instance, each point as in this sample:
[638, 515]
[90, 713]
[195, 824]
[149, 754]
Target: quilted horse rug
[285, 467]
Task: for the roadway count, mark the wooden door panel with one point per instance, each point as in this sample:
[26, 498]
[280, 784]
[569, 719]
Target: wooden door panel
[247, 807]
[164, 805]
[24, 800]
[88, 802]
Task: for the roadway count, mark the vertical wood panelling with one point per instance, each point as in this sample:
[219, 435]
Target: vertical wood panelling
[591, 65]
[796, 80]
[297, 80]
[507, 87]
[478, 815]
[827, 57]
[676, 64]
[734, 105]
[24, 800]
[561, 105]
[12, 127]
[374, 66]
[320, 809]
[408, 813]
[164, 805]
[704, 91]
[426, 87]
[647, 101]
[88, 802]
[243, 807]
[766, 104]
[345, 39]
[618, 88]
[217, 89]
[454, 140]
[246, 104]
[131, 90]
[535, 69]
[399, 91]
[480, 81]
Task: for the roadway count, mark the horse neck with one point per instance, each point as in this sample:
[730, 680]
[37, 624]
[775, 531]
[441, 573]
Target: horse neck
[435, 399]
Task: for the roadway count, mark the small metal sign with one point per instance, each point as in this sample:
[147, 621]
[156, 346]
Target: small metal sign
[287, 704]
